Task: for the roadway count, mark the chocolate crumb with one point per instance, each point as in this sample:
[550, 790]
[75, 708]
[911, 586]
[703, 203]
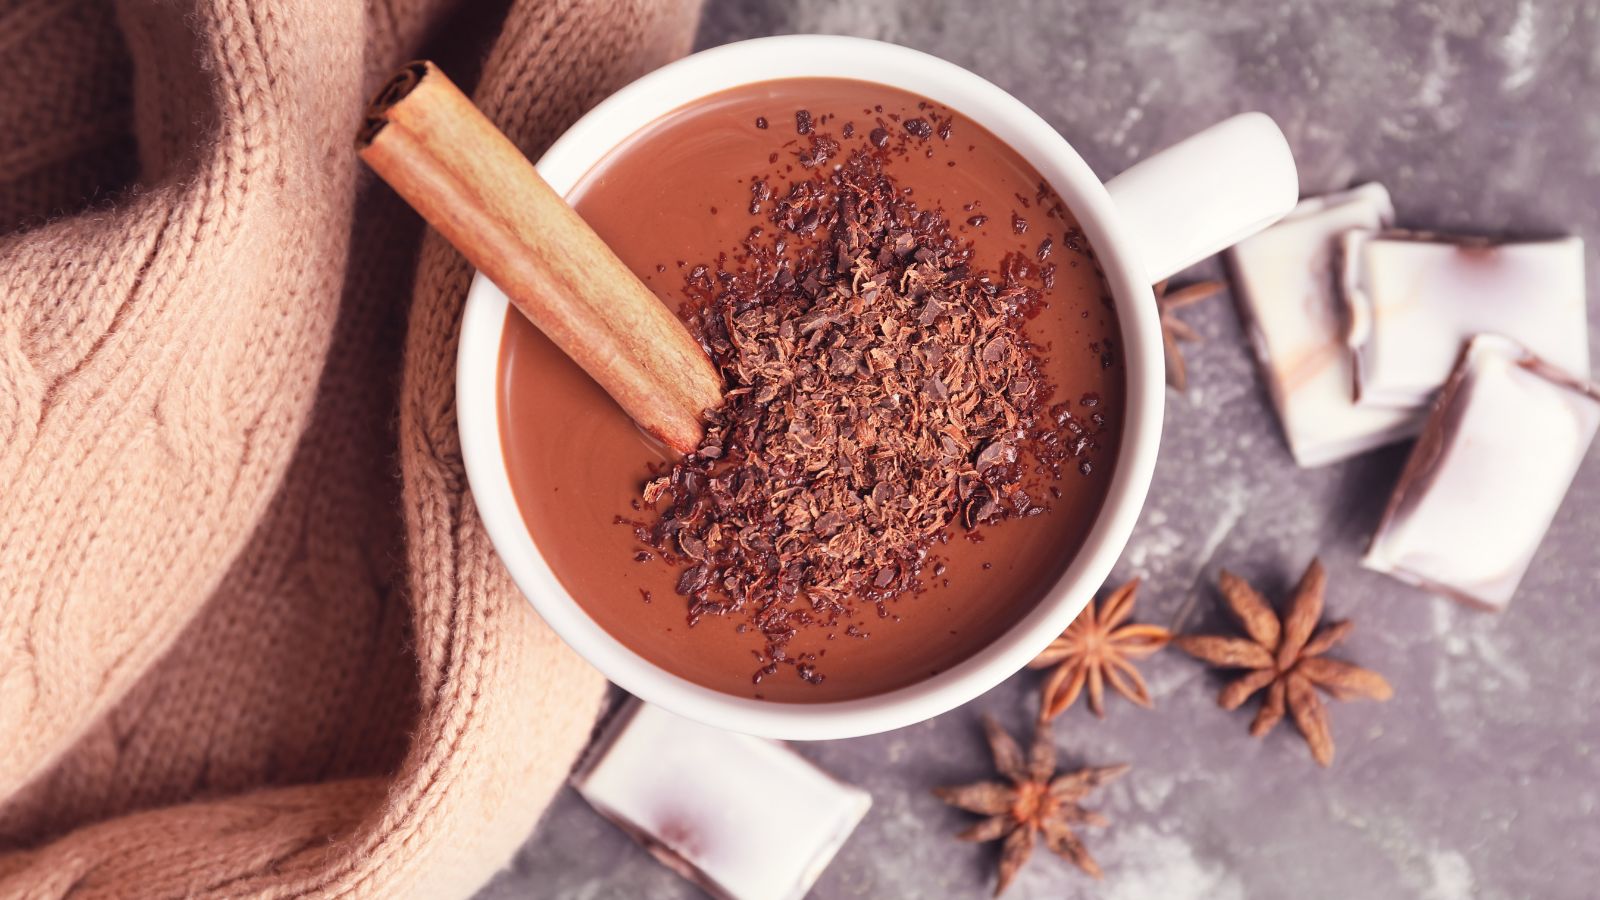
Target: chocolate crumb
[761, 122]
[879, 138]
[822, 149]
[759, 193]
[919, 127]
[802, 121]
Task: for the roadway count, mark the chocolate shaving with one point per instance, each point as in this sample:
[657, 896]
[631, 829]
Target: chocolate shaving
[880, 391]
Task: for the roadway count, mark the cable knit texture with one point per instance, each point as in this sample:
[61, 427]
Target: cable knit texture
[253, 638]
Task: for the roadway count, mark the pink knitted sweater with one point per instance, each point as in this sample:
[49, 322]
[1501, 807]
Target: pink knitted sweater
[253, 639]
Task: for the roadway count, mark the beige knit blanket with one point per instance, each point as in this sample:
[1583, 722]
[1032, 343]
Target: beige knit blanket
[253, 639]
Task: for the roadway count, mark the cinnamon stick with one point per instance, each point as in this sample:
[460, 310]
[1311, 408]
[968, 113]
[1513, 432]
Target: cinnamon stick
[472, 184]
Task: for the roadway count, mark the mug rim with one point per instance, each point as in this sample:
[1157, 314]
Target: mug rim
[607, 127]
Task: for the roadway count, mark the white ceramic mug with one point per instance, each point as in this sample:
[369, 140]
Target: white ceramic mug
[1167, 212]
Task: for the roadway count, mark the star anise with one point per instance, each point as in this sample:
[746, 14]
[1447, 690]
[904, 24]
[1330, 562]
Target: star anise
[1095, 650]
[1032, 801]
[1285, 656]
[1174, 329]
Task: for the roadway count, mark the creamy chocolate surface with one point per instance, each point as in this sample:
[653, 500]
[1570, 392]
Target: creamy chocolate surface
[678, 196]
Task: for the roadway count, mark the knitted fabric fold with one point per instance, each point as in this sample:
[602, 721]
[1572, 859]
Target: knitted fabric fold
[253, 638]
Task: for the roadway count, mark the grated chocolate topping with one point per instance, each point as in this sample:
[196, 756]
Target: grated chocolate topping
[882, 394]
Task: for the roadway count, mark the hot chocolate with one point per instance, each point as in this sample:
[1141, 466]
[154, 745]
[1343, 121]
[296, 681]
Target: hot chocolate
[742, 212]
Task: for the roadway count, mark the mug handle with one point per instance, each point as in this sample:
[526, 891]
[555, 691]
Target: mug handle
[1206, 193]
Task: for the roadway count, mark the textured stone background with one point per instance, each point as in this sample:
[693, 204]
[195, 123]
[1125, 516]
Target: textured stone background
[1482, 777]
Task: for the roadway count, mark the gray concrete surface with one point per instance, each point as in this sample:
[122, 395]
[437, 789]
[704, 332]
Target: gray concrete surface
[1482, 777]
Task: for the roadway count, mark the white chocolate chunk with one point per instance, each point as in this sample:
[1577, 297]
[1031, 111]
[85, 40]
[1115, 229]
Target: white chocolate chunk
[1487, 475]
[1284, 281]
[1413, 300]
[745, 818]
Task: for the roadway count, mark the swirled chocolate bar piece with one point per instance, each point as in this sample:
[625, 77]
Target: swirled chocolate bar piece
[1414, 298]
[1283, 280]
[1484, 480]
[742, 817]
